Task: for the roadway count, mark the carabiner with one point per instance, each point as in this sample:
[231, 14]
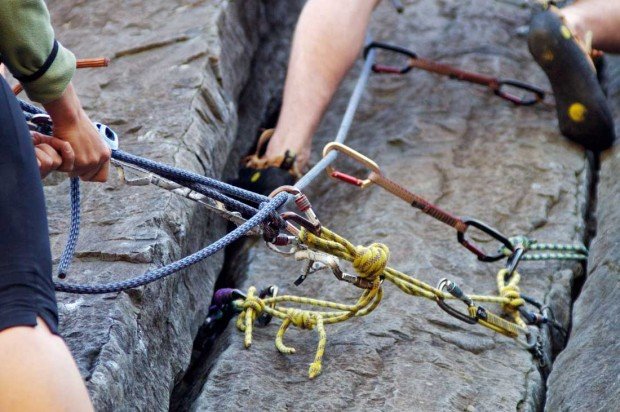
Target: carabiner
[494, 233]
[514, 259]
[272, 292]
[301, 221]
[454, 290]
[539, 94]
[303, 204]
[358, 157]
[380, 68]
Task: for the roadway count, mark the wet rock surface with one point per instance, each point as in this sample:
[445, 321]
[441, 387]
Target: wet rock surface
[463, 149]
[171, 92]
[587, 372]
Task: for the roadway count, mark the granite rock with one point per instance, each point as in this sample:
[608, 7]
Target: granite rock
[462, 148]
[587, 372]
[171, 93]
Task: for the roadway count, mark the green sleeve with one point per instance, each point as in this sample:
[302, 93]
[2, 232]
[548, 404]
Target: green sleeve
[26, 45]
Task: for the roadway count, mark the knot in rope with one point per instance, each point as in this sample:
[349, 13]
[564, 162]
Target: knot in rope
[511, 292]
[370, 262]
[255, 303]
[303, 319]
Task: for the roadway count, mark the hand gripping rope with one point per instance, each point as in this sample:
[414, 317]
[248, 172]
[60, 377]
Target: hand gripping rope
[196, 187]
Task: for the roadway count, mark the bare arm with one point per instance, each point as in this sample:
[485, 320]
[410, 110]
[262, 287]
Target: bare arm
[328, 39]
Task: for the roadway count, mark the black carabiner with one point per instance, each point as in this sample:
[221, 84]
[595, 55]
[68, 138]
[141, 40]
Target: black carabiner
[303, 222]
[514, 259]
[454, 290]
[494, 233]
[270, 291]
[380, 68]
[539, 94]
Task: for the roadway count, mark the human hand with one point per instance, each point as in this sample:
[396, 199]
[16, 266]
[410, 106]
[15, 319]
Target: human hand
[52, 154]
[72, 125]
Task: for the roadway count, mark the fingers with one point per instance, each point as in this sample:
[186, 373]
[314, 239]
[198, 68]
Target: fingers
[97, 171]
[52, 158]
[47, 159]
[102, 174]
[63, 148]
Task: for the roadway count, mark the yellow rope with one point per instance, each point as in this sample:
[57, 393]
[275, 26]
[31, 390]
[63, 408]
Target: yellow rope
[370, 263]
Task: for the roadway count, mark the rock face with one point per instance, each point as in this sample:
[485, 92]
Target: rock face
[171, 93]
[587, 372]
[464, 149]
[189, 85]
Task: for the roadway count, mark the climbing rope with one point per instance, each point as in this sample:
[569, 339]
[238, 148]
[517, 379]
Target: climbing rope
[323, 248]
[173, 179]
[370, 264]
[500, 87]
[217, 196]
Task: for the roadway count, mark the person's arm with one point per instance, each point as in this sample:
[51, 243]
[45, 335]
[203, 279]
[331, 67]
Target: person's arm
[45, 68]
[29, 50]
[71, 124]
[328, 39]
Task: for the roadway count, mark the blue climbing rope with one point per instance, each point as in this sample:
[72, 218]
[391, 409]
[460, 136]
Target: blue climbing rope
[74, 231]
[265, 213]
[212, 188]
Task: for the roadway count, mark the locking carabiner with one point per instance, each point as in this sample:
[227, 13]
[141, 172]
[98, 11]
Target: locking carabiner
[453, 289]
[311, 222]
[476, 314]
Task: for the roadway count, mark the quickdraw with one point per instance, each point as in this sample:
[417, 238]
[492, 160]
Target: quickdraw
[500, 87]
[514, 248]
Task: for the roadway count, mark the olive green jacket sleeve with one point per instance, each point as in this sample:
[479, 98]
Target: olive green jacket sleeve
[29, 50]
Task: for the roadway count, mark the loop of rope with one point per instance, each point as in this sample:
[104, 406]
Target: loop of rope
[370, 262]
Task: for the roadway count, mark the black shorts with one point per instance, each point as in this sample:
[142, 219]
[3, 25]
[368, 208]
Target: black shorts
[26, 287]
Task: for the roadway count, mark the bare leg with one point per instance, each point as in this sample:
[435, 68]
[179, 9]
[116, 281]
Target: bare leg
[328, 38]
[601, 17]
[38, 372]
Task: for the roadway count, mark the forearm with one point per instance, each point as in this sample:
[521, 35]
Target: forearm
[28, 48]
[327, 41]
